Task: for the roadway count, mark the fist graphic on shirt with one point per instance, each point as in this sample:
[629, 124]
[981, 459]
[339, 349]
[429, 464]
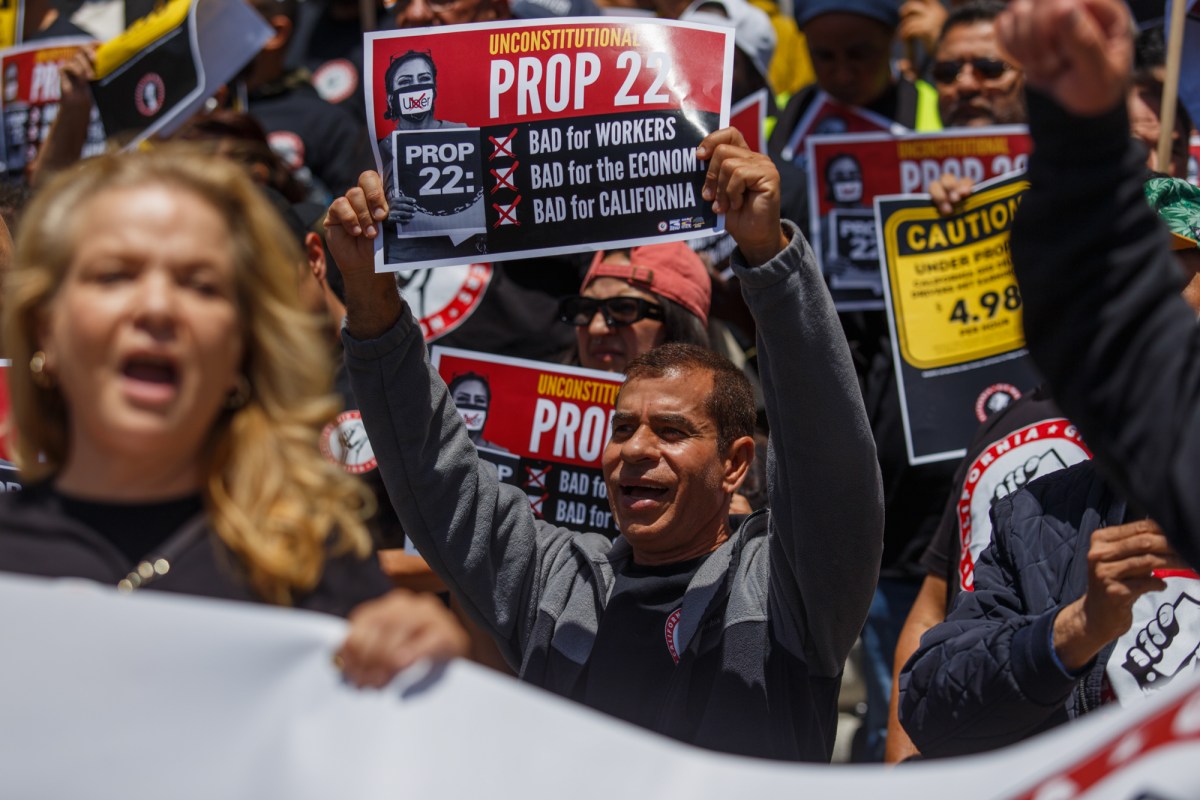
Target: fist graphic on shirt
[1155, 657]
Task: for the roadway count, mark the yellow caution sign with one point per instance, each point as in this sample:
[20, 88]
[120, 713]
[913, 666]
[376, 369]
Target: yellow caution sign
[954, 296]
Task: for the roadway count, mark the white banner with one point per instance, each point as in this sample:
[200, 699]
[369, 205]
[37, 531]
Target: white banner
[154, 695]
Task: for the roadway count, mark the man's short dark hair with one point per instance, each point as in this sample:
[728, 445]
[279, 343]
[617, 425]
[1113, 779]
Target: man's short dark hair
[971, 12]
[731, 402]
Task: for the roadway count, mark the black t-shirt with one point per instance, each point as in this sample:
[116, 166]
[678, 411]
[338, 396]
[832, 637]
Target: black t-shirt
[136, 529]
[331, 48]
[636, 647]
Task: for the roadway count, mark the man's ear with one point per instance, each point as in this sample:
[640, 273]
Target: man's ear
[314, 250]
[737, 463]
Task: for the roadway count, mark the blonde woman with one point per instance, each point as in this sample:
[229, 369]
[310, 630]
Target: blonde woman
[167, 394]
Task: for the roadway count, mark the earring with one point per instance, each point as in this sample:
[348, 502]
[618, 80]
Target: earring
[239, 395]
[37, 366]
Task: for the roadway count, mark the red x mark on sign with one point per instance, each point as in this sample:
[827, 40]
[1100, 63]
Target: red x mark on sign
[537, 477]
[536, 502]
[502, 148]
[508, 213]
[502, 180]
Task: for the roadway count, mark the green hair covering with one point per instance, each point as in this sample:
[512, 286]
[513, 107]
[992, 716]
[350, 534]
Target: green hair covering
[1177, 203]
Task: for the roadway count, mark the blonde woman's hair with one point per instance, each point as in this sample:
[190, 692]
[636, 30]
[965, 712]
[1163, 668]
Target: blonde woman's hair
[270, 495]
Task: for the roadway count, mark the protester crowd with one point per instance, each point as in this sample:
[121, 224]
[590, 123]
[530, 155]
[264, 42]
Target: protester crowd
[212, 392]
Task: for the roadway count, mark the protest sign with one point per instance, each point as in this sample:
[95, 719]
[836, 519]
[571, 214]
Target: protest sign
[155, 75]
[827, 117]
[954, 311]
[12, 22]
[749, 115]
[253, 689]
[848, 172]
[543, 426]
[532, 138]
[32, 90]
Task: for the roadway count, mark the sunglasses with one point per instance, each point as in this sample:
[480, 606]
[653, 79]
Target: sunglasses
[988, 69]
[617, 311]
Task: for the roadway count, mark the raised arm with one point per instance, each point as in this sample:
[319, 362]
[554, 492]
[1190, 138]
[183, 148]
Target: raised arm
[1103, 317]
[825, 492]
[480, 537]
[68, 132]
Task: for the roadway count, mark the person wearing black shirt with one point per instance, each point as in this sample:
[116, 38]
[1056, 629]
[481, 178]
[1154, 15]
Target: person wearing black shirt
[167, 402]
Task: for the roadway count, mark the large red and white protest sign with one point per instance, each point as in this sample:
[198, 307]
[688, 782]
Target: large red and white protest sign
[543, 426]
[846, 173]
[503, 141]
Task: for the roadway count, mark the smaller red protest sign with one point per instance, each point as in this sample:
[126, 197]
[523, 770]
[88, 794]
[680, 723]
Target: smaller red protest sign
[848, 172]
[827, 117]
[32, 91]
[542, 426]
[749, 116]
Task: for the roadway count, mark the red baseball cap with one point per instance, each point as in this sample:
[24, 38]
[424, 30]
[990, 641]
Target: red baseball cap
[671, 270]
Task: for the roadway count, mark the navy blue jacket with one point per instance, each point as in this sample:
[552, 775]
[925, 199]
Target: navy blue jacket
[988, 677]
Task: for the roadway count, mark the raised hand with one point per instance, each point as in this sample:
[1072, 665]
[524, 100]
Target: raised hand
[744, 186]
[922, 21]
[394, 632]
[1121, 562]
[353, 221]
[948, 190]
[1080, 52]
